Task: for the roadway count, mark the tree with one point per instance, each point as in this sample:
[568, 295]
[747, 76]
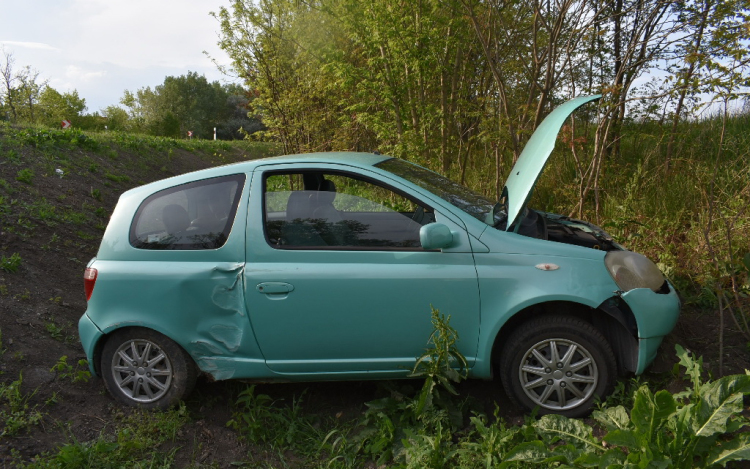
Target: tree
[714, 52]
[188, 103]
[9, 80]
[56, 107]
[28, 93]
[117, 118]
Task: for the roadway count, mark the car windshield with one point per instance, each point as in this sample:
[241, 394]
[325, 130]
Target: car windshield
[454, 193]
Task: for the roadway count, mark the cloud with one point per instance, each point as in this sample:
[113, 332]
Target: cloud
[77, 74]
[102, 47]
[141, 34]
[29, 45]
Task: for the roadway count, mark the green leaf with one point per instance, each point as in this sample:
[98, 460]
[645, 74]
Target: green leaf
[613, 418]
[693, 367]
[712, 419]
[586, 459]
[568, 454]
[624, 438]
[737, 449]
[612, 458]
[530, 451]
[651, 411]
[746, 261]
[557, 427]
[719, 401]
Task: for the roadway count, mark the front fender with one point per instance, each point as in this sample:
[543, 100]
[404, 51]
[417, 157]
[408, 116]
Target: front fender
[508, 290]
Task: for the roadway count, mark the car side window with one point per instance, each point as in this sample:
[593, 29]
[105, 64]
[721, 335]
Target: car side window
[192, 216]
[313, 209]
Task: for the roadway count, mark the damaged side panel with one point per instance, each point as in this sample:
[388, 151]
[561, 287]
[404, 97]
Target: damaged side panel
[199, 305]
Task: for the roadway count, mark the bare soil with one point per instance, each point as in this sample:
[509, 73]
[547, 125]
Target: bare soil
[41, 302]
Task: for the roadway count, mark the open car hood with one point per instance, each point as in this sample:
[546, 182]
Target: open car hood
[534, 157]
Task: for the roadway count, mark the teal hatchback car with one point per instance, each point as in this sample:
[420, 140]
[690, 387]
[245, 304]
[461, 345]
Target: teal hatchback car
[324, 267]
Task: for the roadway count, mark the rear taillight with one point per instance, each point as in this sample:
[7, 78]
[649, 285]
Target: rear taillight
[89, 280]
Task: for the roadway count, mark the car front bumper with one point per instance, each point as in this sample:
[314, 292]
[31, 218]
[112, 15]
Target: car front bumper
[656, 315]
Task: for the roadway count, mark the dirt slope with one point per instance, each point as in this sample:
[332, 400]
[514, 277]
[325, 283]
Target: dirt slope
[53, 222]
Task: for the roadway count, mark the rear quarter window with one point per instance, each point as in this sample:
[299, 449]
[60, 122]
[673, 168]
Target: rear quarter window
[194, 216]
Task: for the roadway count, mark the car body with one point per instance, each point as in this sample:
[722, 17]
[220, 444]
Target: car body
[324, 266]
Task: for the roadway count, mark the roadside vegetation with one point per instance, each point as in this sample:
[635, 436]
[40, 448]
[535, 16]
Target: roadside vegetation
[693, 222]
[457, 86]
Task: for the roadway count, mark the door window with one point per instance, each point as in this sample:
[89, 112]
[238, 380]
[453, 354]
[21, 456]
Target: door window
[313, 209]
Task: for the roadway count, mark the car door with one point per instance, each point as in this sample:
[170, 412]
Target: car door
[336, 280]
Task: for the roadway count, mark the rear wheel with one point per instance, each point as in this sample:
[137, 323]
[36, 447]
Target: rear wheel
[146, 369]
[559, 364]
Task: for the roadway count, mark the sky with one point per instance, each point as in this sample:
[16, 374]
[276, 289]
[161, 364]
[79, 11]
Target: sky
[103, 47]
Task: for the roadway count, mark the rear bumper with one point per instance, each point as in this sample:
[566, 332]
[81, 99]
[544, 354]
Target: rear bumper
[90, 335]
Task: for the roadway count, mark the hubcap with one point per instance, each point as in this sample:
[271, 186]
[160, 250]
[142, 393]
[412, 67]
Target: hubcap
[142, 370]
[558, 374]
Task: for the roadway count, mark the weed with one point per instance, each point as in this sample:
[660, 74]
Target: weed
[76, 218]
[56, 300]
[53, 399]
[53, 241]
[57, 332]
[260, 421]
[101, 212]
[86, 236]
[78, 373]
[5, 185]
[19, 356]
[25, 176]
[695, 428]
[16, 414]
[3, 289]
[93, 168]
[13, 157]
[25, 296]
[43, 211]
[25, 223]
[438, 364]
[115, 178]
[136, 442]
[10, 264]
[96, 194]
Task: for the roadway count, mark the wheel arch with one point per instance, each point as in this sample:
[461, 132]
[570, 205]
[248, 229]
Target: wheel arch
[107, 334]
[612, 318]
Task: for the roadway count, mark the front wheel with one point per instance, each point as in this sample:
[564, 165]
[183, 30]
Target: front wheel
[146, 369]
[559, 364]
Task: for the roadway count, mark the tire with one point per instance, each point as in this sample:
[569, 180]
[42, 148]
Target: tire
[559, 364]
[132, 380]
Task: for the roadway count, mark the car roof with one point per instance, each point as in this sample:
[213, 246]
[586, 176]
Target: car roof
[359, 159]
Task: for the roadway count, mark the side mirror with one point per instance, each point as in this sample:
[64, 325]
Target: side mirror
[435, 236]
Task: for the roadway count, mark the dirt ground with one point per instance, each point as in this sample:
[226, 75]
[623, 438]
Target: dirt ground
[41, 302]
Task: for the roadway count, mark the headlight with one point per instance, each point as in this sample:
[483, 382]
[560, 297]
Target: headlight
[632, 270]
